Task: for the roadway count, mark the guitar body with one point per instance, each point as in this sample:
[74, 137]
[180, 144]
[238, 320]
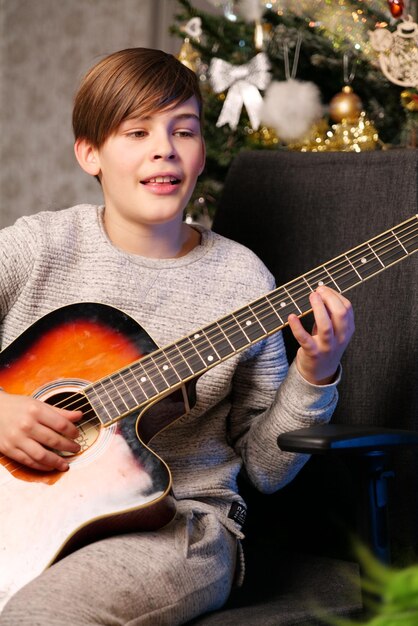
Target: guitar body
[108, 487]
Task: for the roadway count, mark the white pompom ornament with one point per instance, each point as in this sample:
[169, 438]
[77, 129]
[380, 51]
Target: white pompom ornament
[251, 10]
[291, 107]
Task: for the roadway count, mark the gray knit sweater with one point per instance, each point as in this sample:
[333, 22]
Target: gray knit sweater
[56, 258]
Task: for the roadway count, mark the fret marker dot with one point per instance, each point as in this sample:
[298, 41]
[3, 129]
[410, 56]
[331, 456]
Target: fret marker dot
[210, 358]
[283, 304]
[196, 336]
[143, 379]
[165, 367]
[363, 260]
[248, 323]
[320, 283]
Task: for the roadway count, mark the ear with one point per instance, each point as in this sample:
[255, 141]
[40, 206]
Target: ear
[87, 156]
[202, 167]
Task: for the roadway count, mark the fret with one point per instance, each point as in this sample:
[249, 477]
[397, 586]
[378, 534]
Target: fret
[298, 309]
[343, 273]
[300, 295]
[245, 339]
[114, 394]
[101, 404]
[204, 348]
[409, 237]
[365, 262]
[250, 321]
[190, 355]
[270, 315]
[317, 278]
[132, 387]
[178, 362]
[332, 279]
[399, 241]
[308, 285]
[233, 331]
[390, 252]
[165, 368]
[110, 398]
[142, 380]
[377, 257]
[356, 272]
[152, 372]
[219, 340]
[283, 304]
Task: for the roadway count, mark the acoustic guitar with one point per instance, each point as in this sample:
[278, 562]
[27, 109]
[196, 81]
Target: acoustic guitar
[95, 358]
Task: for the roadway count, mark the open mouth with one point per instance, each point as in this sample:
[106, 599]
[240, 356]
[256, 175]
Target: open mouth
[161, 180]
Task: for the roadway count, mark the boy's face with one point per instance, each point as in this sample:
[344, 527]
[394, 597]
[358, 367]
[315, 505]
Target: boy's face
[148, 168]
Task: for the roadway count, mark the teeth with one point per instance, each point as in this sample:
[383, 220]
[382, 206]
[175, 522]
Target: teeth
[162, 179]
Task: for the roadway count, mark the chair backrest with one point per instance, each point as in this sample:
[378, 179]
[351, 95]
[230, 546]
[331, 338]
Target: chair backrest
[299, 210]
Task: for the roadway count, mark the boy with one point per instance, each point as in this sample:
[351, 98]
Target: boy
[137, 125]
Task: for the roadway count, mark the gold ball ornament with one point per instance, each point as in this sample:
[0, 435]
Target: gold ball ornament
[409, 100]
[345, 105]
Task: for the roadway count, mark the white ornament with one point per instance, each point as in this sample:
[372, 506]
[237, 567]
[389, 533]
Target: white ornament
[251, 10]
[291, 107]
[193, 28]
[398, 52]
[243, 82]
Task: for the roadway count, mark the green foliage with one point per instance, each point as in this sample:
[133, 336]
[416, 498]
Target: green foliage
[393, 593]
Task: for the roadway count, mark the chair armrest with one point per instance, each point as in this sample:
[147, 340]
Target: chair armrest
[343, 437]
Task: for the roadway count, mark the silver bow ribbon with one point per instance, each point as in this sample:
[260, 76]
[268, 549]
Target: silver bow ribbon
[243, 82]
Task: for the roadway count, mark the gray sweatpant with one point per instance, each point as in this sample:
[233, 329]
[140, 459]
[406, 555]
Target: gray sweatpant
[160, 578]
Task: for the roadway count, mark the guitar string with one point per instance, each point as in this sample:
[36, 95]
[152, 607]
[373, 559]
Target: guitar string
[149, 363]
[95, 416]
[185, 354]
[358, 252]
[156, 369]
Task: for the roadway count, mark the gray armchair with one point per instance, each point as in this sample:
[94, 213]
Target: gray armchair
[297, 211]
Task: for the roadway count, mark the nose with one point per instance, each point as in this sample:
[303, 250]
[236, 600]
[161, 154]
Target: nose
[169, 156]
[164, 148]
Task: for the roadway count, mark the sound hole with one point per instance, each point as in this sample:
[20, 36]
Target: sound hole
[89, 425]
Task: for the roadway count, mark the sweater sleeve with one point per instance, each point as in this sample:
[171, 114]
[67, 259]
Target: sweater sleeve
[269, 398]
[17, 254]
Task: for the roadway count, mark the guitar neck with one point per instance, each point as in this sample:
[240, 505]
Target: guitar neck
[166, 369]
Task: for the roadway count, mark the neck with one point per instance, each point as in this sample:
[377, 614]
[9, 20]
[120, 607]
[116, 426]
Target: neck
[159, 241]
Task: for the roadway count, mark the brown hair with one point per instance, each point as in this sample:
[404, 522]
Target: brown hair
[130, 83]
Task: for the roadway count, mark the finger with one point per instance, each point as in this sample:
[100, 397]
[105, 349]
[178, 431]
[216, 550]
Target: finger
[60, 420]
[333, 299]
[340, 312]
[33, 455]
[323, 321]
[49, 438]
[301, 335]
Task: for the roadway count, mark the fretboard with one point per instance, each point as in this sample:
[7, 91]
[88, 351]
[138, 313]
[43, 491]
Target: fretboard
[166, 369]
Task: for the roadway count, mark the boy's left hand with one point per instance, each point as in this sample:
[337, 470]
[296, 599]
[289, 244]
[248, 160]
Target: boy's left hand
[319, 354]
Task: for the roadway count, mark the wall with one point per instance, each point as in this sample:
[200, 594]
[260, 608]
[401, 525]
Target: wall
[45, 48]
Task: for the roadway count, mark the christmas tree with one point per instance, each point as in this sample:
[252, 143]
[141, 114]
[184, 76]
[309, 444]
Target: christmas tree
[325, 45]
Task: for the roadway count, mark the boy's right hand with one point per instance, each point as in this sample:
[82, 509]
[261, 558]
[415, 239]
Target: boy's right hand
[30, 429]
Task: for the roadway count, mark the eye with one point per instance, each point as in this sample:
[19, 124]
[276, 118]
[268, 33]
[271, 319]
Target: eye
[137, 134]
[186, 133]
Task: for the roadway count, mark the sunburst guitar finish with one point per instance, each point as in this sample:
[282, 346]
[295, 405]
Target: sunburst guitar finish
[108, 488]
